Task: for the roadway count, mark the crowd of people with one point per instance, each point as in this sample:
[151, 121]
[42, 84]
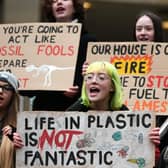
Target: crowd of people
[96, 85]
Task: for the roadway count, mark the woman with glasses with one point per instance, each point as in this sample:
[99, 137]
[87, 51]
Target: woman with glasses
[148, 28]
[9, 101]
[63, 11]
[101, 89]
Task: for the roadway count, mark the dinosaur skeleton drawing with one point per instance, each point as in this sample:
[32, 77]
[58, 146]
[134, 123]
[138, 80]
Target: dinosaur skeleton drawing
[47, 69]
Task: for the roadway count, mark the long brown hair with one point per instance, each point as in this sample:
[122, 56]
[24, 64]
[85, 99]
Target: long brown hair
[7, 152]
[157, 22]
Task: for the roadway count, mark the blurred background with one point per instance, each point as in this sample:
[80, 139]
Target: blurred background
[109, 20]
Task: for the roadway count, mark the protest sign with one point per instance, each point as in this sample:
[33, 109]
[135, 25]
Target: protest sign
[143, 71]
[78, 139]
[42, 55]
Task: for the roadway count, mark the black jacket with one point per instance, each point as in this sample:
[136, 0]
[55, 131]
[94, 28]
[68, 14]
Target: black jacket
[78, 106]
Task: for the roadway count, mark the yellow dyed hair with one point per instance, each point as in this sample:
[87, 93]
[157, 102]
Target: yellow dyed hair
[116, 96]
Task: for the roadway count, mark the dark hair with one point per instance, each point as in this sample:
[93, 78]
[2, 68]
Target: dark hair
[157, 22]
[47, 13]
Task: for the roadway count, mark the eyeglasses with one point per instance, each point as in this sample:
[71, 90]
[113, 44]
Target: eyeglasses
[6, 88]
[99, 77]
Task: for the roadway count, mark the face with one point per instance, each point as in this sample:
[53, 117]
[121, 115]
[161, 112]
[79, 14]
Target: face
[5, 94]
[144, 29]
[63, 10]
[98, 87]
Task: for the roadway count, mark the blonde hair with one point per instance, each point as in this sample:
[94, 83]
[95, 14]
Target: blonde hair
[116, 96]
[7, 152]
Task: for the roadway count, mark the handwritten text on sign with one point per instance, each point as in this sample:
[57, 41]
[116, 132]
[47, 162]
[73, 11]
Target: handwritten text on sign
[93, 139]
[143, 70]
[42, 55]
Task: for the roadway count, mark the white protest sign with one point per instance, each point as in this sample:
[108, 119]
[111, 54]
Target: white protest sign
[42, 55]
[92, 139]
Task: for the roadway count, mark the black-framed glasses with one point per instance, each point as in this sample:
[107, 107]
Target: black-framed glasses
[6, 88]
[99, 77]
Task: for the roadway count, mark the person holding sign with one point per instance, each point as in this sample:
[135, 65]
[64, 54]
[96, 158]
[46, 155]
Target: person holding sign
[65, 11]
[102, 90]
[163, 160]
[148, 28]
[9, 102]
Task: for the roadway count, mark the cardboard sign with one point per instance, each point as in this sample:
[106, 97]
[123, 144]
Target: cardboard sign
[42, 55]
[92, 139]
[143, 71]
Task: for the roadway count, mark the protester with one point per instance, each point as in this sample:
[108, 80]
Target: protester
[64, 11]
[163, 160]
[9, 104]
[148, 27]
[102, 90]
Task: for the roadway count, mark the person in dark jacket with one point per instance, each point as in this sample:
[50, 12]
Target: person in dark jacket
[101, 89]
[63, 11]
[148, 27]
[9, 107]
